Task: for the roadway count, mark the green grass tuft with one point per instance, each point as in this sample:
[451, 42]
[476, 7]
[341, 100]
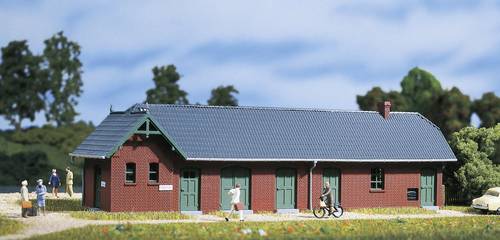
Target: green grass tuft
[9, 226]
[434, 228]
[129, 215]
[393, 211]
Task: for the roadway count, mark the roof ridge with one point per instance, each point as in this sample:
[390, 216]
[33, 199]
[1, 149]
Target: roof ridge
[272, 108]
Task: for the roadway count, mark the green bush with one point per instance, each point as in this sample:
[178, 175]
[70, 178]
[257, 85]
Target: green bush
[61, 205]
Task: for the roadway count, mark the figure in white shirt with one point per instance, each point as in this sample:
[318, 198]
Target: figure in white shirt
[236, 205]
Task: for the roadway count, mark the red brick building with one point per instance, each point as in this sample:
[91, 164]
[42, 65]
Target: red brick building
[186, 158]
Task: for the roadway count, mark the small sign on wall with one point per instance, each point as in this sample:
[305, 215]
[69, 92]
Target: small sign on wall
[412, 194]
[103, 184]
[166, 187]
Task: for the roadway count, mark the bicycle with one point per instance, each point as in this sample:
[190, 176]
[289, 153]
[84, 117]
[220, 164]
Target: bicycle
[336, 210]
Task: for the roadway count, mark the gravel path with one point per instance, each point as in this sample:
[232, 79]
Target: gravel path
[59, 221]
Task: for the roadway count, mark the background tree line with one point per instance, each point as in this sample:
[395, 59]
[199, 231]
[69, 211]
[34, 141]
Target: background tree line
[51, 83]
[477, 149]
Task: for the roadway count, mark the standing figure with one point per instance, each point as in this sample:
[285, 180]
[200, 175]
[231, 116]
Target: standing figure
[236, 205]
[328, 195]
[69, 182]
[24, 199]
[55, 181]
[41, 191]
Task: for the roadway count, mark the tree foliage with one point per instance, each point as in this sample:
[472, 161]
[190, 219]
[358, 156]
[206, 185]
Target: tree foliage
[66, 138]
[488, 109]
[30, 165]
[474, 148]
[376, 95]
[61, 57]
[166, 90]
[451, 111]
[422, 92]
[22, 85]
[420, 89]
[223, 96]
[32, 83]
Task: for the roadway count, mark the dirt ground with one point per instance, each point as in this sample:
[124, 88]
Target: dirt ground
[59, 221]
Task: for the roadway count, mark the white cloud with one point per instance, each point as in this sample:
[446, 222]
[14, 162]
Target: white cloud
[382, 39]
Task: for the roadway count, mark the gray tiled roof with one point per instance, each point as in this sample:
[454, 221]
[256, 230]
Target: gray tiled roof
[108, 135]
[254, 133]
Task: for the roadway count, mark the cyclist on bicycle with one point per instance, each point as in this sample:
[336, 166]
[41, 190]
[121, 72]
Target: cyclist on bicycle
[327, 196]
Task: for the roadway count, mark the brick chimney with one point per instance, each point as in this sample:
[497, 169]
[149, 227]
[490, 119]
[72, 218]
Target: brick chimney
[384, 108]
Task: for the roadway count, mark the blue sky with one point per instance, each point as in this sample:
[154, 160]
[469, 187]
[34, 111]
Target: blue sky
[316, 54]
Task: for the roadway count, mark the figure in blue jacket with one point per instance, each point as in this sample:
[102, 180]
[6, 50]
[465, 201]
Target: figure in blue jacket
[41, 191]
[55, 181]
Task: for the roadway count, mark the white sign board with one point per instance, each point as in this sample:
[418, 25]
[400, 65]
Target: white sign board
[103, 184]
[166, 187]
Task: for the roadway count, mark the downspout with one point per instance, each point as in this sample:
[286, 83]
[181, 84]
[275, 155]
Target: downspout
[310, 184]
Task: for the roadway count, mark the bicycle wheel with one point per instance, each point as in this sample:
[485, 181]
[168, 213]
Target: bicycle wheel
[319, 212]
[338, 211]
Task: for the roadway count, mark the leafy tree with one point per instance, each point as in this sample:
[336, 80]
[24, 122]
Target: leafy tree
[451, 111]
[223, 96]
[22, 84]
[474, 148]
[166, 90]
[64, 78]
[421, 90]
[488, 109]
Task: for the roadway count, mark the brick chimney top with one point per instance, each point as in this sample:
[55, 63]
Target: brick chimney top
[384, 108]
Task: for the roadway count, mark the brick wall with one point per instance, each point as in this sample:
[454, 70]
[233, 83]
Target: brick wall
[105, 193]
[143, 196]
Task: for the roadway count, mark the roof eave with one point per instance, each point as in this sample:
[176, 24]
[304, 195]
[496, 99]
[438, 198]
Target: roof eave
[318, 160]
[87, 156]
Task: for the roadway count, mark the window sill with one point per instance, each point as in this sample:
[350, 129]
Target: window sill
[153, 183]
[377, 190]
[130, 184]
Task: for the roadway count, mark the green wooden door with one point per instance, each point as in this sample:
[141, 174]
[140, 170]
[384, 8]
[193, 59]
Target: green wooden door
[97, 187]
[190, 184]
[332, 175]
[285, 188]
[229, 178]
[427, 187]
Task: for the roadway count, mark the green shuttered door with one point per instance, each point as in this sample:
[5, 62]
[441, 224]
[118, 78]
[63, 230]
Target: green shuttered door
[229, 177]
[285, 188]
[332, 175]
[427, 187]
[190, 184]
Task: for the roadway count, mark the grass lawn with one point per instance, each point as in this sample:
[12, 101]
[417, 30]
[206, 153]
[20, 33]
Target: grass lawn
[435, 228]
[392, 211]
[9, 226]
[129, 215]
